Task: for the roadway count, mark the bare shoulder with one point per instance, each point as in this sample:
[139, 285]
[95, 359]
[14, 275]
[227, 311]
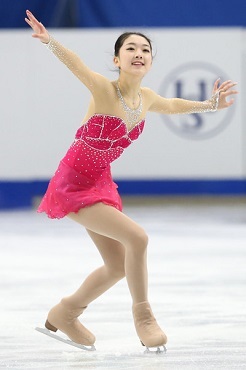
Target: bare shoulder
[102, 86]
[157, 103]
[104, 95]
[149, 93]
[102, 81]
[149, 96]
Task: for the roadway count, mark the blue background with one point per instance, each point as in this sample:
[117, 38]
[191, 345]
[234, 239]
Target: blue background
[125, 13]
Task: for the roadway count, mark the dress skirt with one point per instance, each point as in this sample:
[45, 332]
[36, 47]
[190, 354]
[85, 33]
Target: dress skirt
[69, 191]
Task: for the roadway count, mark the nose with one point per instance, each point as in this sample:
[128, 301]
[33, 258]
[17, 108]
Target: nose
[139, 54]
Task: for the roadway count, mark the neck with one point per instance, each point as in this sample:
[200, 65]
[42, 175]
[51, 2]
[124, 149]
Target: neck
[131, 88]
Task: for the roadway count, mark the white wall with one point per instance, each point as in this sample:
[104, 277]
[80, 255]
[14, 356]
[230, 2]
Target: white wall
[42, 104]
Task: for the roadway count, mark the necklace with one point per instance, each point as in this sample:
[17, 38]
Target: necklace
[132, 115]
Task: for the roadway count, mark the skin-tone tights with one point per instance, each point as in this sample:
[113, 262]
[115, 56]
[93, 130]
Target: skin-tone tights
[123, 246]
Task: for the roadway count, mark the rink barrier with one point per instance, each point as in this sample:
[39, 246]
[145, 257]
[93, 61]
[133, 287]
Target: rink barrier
[20, 194]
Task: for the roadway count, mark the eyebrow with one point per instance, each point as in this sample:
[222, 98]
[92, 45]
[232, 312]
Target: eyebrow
[133, 43]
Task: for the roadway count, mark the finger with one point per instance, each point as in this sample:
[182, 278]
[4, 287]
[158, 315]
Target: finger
[41, 26]
[229, 85]
[230, 102]
[29, 22]
[216, 84]
[28, 12]
[224, 84]
[230, 92]
[227, 90]
[31, 16]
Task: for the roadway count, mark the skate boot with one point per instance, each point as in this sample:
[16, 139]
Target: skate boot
[64, 316]
[149, 332]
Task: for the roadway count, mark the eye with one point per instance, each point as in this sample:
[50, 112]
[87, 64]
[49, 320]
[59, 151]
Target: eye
[146, 50]
[130, 48]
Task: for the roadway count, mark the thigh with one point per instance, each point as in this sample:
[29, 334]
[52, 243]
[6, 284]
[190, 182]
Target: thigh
[112, 251]
[108, 221]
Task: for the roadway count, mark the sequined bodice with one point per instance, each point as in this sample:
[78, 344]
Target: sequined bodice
[107, 132]
[100, 141]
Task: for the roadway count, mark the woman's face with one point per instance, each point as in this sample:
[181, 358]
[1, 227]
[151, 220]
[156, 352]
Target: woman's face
[135, 56]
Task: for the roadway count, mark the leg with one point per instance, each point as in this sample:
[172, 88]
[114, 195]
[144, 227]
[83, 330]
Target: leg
[64, 316]
[100, 280]
[108, 222]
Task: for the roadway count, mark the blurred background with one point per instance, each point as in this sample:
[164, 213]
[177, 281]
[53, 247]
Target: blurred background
[42, 104]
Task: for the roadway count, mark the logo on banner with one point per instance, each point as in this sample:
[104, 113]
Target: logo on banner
[194, 81]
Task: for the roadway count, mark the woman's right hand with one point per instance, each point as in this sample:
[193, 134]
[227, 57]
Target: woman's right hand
[40, 31]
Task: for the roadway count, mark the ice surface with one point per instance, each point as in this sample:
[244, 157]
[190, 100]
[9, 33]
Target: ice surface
[197, 278]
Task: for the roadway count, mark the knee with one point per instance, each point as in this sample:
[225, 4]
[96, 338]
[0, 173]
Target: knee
[139, 241]
[143, 239]
[117, 271]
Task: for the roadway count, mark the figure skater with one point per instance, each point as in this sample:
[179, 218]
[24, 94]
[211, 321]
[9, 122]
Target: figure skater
[82, 187]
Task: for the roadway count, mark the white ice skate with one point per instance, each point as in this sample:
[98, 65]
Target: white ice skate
[67, 341]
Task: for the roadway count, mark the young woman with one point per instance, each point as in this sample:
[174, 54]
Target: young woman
[82, 187]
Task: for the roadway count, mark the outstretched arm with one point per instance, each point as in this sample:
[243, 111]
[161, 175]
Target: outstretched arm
[181, 106]
[88, 77]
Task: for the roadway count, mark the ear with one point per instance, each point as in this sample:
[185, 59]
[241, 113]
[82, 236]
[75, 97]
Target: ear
[117, 62]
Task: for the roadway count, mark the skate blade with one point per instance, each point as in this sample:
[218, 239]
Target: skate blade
[67, 341]
[160, 350]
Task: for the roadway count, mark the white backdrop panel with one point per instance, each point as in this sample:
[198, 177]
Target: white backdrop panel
[43, 104]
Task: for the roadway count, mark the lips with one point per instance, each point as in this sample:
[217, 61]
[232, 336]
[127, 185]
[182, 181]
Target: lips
[138, 63]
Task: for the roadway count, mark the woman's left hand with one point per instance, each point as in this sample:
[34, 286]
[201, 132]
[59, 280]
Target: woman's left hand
[225, 90]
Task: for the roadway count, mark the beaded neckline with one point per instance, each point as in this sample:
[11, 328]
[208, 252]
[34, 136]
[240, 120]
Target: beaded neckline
[132, 115]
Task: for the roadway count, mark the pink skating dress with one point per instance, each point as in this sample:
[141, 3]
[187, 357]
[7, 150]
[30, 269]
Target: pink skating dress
[83, 176]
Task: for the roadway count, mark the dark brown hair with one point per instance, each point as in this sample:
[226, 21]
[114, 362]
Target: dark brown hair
[121, 39]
